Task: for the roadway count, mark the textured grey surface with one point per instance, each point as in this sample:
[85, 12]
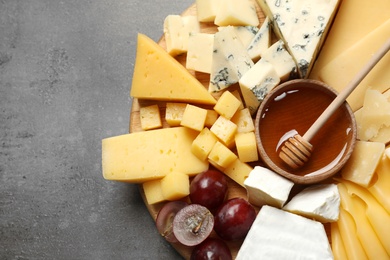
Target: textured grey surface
[65, 71]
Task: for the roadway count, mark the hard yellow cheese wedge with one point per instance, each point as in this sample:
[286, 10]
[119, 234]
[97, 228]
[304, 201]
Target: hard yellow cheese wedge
[144, 156]
[158, 76]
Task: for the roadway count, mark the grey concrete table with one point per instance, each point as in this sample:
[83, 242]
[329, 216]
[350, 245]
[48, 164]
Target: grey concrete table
[65, 73]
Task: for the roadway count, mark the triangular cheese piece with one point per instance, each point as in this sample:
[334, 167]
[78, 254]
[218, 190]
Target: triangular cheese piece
[302, 25]
[159, 76]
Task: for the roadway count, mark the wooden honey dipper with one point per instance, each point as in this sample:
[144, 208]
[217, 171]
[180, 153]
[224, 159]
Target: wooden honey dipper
[297, 149]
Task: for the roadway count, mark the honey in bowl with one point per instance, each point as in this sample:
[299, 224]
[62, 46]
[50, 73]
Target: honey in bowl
[292, 108]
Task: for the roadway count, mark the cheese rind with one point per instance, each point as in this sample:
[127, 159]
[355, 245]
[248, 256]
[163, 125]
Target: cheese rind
[144, 156]
[173, 83]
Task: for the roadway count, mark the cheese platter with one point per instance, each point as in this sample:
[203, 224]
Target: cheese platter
[235, 186]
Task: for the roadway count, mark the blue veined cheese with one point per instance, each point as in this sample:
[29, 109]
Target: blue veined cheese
[230, 60]
[319, 202]
[244, 33]
[302, 25]
[260, 42]
[278, 234]
[282, 61]
[236, 13]
[257, 83]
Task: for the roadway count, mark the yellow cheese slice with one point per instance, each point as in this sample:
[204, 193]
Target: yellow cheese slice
[354, 20]
[381, 183]
[144, 156]
[364, 231]
[158, 76]
[340, 71]
[338, 248]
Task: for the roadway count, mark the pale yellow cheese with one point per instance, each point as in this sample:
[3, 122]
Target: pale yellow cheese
[144, 156]
[221, 155]
[200, 52]
[227, 105]
[246, 147]
[206, 10]
[211, 117]
[387, 152]
[381, 182]
[172, 83]
[203, 144]
[175, 185]
[153, 192]
[225, 130]
[363, 161]
[194, 117]
[340, 71]
[236, 13]
[150, 117]
[174, 113]
[244, 121]
[364, 231]
[237, 94]
[238, 171]
[338, 248]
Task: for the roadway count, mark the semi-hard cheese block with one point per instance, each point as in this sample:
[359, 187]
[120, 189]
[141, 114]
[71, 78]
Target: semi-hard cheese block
[237, 13]
[246, 147]
[302, 25]
[158, 76]
[227, 105]
[203, 144]
[175, 185]
[238, 171]
[278, 234]
[318, 202]
[200, 52]
[150, 117]
[206, 10]
[348, 64]
[244, 121]
[144, 156]
[194, 117]
[153, 191]
[174, 113]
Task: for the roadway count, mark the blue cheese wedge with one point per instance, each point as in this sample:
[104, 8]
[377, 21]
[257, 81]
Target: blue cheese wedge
[257, 83]
[260, 42]
[244, 33]
[278, 234]
[318, 202]
[230, 60]
[265, 187]
[302, 25]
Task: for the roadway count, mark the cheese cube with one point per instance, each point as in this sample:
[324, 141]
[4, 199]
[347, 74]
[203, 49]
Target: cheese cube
[194, 117]
[153, 191]
[237, 94]
[221, 155]
[265, 187]
[318, 202]
[150, 117]
[177, 30]
[206, 10]
[244, 33]
[225, 130]
[238, 171]
[203, 144]
[246, 147]
[257, 83]
[237, 13]
[244, 121]
[260, 42]
[211, 117]
[364, 159]
[175, 185]
[227, 105]
[174, 113]
[200, 52]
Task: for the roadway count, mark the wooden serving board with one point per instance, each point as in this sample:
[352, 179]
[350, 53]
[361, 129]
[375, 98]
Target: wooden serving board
[235, 190]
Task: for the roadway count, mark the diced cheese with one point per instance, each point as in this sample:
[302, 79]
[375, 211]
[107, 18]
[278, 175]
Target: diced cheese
[302, 25]
[238, 171]
[176, 32]
[144, 156]
[277, 234]
[173, 83]
[150, 117]
[364, 159]
[225, 130]
[203, 144]
[237, 94]
[227, 105]
[257, 83]
[265, 187]
[282, 61]
[318, 202]
[221, 155]
[206, 10]
[174, 113]
[194, 117]
[175, 185]
[237, 13]
[348, 64]
[246, 147]
[230, 60]
[211, 117]
[260, 42]
[153, 192]
[200, 52]
[244, 121]
[244, 33]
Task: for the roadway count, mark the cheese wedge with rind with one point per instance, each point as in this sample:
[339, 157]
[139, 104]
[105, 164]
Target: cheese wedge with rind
[158, 76]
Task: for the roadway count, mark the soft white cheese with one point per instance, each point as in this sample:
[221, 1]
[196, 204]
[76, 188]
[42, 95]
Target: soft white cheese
[260, 42]
[277, 234]
[319, 202]
[265, 187]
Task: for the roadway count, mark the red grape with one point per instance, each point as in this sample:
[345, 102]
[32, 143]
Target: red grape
[211, 249]
[193, 224]
[234, 218]
[165, 218]
[209, 189]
